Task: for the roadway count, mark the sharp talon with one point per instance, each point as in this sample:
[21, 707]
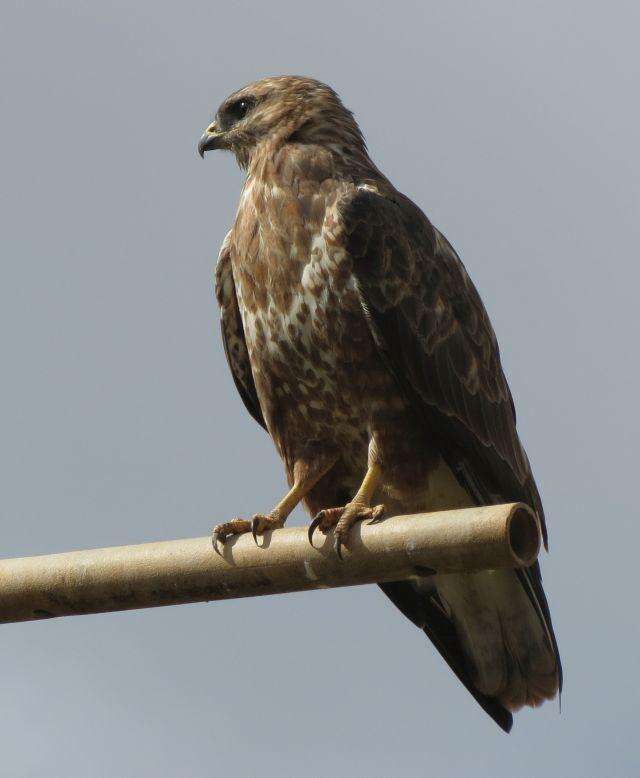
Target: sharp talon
[378, 514]
[215, 537]
[313, 526]
[337, 547]
[254, 531]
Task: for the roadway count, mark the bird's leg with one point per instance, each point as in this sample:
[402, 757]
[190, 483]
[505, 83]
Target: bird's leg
[305, 474]
[280, 513]
[342, 519]
[260, 522]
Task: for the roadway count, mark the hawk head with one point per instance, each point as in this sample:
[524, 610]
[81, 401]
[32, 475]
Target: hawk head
[273, 111]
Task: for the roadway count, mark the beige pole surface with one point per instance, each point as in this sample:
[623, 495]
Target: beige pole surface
[181, 571]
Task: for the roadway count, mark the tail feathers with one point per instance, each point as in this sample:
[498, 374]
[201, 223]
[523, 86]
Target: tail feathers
[494, 631]
[531, 580]
[429, 616]
[503, 637]
[446, 642]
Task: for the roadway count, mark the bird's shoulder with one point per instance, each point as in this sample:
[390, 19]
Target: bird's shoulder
[395, 248]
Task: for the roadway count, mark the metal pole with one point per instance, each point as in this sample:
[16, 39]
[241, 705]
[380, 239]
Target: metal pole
[181, 571]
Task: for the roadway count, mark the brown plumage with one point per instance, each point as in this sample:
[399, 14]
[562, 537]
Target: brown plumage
[356, 338]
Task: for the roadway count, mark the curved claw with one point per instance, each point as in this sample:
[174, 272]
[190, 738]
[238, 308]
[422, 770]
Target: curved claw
[337, 547]
[254, 530]
[215, 537]
[314, 526]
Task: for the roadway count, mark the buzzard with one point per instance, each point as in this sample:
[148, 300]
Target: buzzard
[356, 338]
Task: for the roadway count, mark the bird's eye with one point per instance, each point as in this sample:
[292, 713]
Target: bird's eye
[239, 109]
[233, 112]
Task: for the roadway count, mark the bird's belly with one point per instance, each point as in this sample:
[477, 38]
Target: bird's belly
[319, 375]
[315, 369]
[321, 380]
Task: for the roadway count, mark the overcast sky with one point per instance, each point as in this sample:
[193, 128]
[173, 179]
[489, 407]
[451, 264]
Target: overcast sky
[514, 125]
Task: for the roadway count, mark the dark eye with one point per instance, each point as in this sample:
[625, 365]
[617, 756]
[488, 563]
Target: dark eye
[238, 110]
[241, 108]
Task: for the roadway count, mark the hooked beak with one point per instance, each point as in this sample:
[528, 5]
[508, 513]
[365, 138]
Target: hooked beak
[211, 139]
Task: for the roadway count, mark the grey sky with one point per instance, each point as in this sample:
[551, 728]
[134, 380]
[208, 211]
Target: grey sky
[515, 126]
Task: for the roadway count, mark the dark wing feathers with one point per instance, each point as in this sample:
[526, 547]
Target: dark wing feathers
[235, 346]
[434, 333]
[436, 337]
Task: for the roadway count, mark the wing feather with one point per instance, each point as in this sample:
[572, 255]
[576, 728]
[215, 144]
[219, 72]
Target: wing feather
[233, 339]
[433, 332]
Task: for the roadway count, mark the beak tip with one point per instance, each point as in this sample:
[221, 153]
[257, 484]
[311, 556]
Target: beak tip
[208, 141]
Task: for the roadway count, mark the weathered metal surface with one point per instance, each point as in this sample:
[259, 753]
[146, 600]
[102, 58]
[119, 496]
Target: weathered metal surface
[182, 571]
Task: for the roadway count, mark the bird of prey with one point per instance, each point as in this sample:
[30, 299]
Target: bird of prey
[356, 338]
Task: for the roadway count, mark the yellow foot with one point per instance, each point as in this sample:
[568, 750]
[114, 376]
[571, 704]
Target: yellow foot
[342, 519]
[257, 526]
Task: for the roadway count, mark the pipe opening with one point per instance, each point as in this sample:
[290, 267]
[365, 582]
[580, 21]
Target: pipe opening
[524, 535]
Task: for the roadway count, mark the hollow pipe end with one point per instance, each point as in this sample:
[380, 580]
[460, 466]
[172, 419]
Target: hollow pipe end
[524, 535]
